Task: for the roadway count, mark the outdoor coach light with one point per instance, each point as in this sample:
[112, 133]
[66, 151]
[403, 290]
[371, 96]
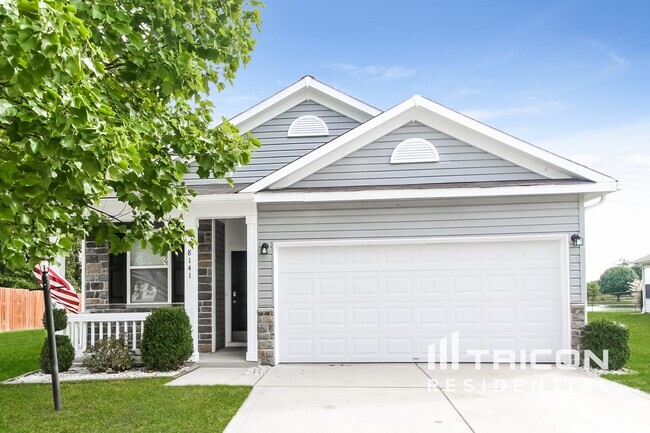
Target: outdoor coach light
[264, 250]
[577, 240]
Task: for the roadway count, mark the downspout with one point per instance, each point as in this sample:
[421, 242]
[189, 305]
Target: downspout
[601, 200]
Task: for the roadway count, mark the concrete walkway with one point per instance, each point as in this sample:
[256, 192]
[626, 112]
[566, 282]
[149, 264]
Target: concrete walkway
[216, 376]
[409, 398]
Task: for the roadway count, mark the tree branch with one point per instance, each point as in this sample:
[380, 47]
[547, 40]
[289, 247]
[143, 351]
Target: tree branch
[113, 217]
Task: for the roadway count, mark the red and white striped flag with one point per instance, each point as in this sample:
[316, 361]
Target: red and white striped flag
[60, 290]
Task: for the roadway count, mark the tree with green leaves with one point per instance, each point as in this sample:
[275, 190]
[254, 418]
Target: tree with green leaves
[109, 98]
[593, 290]
[617, 279]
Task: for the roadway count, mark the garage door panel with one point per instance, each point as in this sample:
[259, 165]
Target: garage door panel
[433, 284]
[368, 303]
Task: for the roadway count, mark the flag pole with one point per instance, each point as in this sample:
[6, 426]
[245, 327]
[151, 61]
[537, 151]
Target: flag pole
[51, 338]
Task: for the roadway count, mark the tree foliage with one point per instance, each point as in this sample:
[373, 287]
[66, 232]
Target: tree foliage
[109, 98]
[593, 290]
[617, 279]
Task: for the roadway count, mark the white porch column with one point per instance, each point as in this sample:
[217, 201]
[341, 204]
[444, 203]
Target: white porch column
[192, 286]
[251, 287]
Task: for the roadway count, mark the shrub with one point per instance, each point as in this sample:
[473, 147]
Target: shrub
[603, 334]
[109, 355]
[60, 319]
[64, 354]
[166, 339]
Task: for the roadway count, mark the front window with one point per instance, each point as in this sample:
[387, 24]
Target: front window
[149, 277]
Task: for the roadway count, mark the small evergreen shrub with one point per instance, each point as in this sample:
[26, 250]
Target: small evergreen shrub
[64, 354]
[109, 355]
[60, 319]
[166, 339]
[603, 334]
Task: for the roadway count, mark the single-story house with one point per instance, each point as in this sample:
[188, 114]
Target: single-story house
[644, 262]
[361, 235]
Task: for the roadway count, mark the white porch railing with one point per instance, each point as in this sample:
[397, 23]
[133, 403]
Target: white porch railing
[86, 328]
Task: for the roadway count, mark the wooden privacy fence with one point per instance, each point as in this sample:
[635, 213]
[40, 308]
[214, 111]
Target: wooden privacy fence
[20, 309]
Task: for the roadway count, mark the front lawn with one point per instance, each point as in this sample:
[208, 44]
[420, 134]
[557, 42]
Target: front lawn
[19, 352]
[639, 325]
[142, 405]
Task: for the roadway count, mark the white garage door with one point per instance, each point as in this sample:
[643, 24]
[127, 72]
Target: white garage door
[387, 302]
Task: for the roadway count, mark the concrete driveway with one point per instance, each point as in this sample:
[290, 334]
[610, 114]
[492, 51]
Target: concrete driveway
[409, 398]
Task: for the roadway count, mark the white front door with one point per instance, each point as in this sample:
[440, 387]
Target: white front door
[386, 302]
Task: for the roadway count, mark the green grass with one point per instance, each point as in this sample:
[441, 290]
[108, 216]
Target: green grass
[142, 405]
[19, 352]
[639, 325]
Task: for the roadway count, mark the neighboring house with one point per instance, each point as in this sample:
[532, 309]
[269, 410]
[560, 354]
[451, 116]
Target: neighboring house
[644, 262]
[356, 235]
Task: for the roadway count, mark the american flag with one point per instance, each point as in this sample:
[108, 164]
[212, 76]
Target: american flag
[60, 290]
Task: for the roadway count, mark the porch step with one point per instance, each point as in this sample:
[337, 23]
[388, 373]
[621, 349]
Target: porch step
[229, 357]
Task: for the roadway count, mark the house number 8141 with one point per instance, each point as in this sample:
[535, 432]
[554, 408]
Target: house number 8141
[189, 263]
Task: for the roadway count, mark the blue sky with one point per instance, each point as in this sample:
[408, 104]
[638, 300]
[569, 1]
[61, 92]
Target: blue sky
[570, 76]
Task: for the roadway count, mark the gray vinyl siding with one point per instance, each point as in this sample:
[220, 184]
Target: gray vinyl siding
[278, 150]
[459, 162]
[528, 215]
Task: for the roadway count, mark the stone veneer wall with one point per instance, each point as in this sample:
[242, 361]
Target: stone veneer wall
[219, 284]
[578, 320]
[265, 336]
[96, 290]
[205, 285]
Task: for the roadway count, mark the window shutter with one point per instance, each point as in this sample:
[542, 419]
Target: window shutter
[178, 276]
[117, 278]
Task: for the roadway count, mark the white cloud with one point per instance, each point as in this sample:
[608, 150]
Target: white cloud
[618, 229]
[468, 91]
[382, 73]
[542, 108]
[638, 160]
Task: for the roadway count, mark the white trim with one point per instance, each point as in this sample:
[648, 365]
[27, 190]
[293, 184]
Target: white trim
[213, 266]
[307, 88]
[192, 285]
[442, 119]
[276, 301]
[565, 296]
[315, 127]
[83, 275]
[397, 194]
[563, 245]
[414, 150]
[251, 288]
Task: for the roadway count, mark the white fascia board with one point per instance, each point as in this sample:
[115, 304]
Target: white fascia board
[474, 130]
[399, 194]
[305, 89]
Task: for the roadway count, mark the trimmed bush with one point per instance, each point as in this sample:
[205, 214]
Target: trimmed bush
[166, 339]
[60, 319]
[603, 334]
[64, 354]
[109, 355]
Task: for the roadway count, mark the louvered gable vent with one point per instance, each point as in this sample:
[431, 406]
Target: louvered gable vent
[414, 150]
[308, 126]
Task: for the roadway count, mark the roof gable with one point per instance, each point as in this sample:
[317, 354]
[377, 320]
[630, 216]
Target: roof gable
[442, 119]
[305, 89]
[278, 147]
[375, 164]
